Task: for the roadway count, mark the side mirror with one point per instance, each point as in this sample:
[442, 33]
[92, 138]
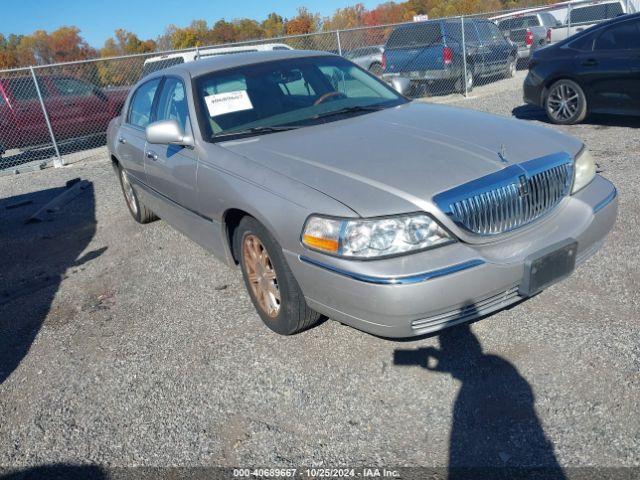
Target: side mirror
[167, 132]
[401, 85]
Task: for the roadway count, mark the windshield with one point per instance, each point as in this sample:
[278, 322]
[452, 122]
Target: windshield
[286, 93]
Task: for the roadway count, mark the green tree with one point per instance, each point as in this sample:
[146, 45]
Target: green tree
[273, 25]
[247, 29]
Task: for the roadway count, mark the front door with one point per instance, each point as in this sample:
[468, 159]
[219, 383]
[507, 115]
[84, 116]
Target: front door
[171, 169]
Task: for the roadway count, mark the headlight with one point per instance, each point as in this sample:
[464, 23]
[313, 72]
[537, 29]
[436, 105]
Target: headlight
[584, 169]
[373, 238]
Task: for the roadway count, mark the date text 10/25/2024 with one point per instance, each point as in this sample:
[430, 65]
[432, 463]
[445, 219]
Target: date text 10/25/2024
[314, 473]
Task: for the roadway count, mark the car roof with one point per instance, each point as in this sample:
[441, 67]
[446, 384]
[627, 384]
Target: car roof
[223, 62]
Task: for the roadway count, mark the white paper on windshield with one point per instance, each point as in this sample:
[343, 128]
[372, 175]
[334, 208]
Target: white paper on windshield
[229, 102]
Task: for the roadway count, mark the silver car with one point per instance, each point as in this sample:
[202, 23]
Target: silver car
[338, 197]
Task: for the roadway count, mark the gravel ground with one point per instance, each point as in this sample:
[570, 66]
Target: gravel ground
[123, 345]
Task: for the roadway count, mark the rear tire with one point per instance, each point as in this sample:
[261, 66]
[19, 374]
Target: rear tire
[512, 68]
[139, 211]
[273, 289]
[459, 85]
[566, 103]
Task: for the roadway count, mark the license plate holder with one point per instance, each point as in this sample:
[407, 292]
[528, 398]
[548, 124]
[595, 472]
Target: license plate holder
[548, 266]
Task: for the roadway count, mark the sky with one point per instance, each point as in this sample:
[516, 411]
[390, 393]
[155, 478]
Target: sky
[97, 19]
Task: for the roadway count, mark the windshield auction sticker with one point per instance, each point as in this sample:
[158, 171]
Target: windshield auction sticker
[229, 102]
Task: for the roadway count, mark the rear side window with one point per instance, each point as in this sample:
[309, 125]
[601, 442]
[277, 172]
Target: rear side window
[624, 36]
[417, 35]
[454, 32]
[584, 43]
[489, 32]
[595, 13]
[141, 103]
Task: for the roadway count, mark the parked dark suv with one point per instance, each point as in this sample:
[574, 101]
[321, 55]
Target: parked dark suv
[597, 70]
[430, 52]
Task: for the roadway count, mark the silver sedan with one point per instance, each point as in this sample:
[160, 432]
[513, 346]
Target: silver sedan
[339, 197]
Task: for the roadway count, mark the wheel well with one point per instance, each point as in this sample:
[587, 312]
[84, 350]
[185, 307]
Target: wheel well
[231, 220]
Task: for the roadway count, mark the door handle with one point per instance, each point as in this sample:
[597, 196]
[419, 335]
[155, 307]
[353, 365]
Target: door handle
[152, 155]
[122, 140]
[591, 62]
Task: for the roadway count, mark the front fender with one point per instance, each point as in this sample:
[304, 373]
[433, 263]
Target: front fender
[230, 181]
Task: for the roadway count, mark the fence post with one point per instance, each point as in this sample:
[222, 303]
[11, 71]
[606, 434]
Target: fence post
[464, 58]
[569, 20]
[57, 162]
[339, 45]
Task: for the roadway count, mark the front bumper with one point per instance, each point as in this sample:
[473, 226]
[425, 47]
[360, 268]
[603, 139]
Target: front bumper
[419, 294]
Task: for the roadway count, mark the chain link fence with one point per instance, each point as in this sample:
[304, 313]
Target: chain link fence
[58, 114]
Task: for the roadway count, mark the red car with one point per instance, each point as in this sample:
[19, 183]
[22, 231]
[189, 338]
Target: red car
[76, 109]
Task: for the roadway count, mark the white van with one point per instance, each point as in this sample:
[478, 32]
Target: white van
[154, 64]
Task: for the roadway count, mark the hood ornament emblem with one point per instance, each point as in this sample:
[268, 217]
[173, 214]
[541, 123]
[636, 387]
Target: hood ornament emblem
[503, 153]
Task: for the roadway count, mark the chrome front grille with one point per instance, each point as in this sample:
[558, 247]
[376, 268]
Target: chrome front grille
[510, 198]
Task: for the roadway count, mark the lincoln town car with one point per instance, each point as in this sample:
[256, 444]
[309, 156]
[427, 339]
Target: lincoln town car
[340, 198]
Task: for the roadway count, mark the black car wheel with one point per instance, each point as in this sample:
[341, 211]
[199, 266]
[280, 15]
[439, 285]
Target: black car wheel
[566, 103]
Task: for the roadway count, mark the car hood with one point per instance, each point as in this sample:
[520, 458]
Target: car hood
[395, 160]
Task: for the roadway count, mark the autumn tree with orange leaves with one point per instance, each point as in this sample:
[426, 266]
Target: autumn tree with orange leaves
[66, 44]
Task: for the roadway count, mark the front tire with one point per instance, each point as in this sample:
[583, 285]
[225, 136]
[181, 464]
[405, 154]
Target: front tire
[566, 103]
[273, 289]
[137, 208]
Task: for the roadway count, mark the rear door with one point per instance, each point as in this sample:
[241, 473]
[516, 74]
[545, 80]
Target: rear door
[131, 141]
[496, 47]
[171, 169]
[609, 71]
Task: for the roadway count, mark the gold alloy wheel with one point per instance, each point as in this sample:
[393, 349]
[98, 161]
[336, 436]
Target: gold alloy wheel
[128, 192]
[261, 275]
